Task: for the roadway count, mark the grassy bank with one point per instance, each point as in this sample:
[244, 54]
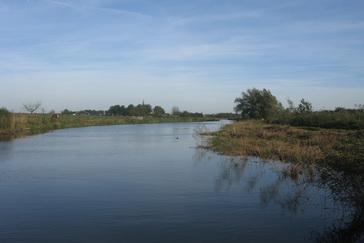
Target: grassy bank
[301, 147]
[15, 122]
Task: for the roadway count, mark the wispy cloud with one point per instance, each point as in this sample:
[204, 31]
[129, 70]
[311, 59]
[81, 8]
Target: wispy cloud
[195, 47]
[62, 3]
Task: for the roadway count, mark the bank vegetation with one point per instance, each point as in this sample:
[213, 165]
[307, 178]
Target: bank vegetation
[13, 123]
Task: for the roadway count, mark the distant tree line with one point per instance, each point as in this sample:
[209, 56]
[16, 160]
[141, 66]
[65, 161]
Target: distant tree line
[147, 110]
[176, 112]
[139, 110]
[225, 115]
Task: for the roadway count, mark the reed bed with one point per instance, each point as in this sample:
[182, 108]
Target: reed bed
[303, 148]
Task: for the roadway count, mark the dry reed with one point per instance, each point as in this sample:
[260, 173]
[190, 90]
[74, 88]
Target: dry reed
[301, 147]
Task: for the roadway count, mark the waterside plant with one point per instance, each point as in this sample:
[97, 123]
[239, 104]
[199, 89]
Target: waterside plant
[299, 146]
[12, 123]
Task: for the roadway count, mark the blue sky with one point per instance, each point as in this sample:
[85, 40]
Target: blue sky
[198, 55]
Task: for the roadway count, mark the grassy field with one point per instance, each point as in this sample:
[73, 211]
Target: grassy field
[16, 122]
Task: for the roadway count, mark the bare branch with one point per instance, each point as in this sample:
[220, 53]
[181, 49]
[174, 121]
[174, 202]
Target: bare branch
[31, 107]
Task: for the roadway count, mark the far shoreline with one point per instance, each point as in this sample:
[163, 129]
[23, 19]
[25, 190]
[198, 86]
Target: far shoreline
[22, 125]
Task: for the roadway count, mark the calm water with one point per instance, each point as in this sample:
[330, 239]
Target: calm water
[147, 183]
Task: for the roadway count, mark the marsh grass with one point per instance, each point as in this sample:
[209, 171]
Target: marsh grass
[303, 148]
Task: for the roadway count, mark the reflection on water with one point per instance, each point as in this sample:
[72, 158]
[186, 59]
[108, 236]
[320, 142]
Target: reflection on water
[339, 197]
[348, 190]
[23, 134]
[139, 183]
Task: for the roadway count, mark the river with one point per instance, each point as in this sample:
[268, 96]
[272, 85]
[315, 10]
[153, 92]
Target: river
[148, 183]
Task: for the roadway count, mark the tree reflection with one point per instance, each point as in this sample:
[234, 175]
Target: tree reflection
[349, 191]
[344, 193]
[291, 196]
[343, 174]
[23, 134]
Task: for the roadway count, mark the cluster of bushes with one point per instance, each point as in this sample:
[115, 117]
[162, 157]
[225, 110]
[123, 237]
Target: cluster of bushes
[341, 118]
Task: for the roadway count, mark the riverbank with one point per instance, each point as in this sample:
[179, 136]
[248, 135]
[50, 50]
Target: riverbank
[302, 147]
[19, 123]
[331, 158]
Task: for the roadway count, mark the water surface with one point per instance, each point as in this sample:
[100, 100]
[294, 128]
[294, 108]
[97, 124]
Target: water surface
[147, 183]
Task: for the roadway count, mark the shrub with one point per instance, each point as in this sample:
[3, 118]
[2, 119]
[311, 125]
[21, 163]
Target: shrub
[338, 119]
[5, 119]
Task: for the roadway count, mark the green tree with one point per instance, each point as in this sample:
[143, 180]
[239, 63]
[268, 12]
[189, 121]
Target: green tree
[113, 110]
[158, 111]
[65, 112]
[130, 110]
[196, 114]
[257, 104]
[142, 110]
[185, 114]
[147, 109]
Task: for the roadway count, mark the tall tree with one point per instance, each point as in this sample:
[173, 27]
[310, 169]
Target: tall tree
[114, 110]
[256, 103]
[158, 111]
[142, 110]
[130, 110]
